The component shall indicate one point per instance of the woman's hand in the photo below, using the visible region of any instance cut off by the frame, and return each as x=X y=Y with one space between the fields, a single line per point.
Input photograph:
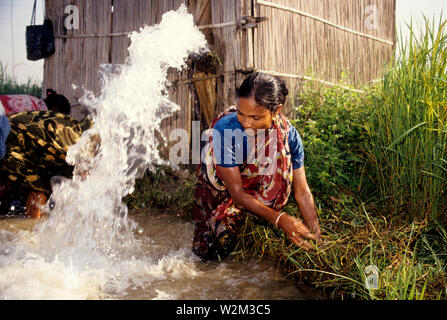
x=304 y=198
x=297 y=231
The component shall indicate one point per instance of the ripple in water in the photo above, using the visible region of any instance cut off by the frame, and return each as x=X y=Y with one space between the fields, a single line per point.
x=86 y=248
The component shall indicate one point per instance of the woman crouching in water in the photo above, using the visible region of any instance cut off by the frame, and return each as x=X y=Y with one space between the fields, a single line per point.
x=230 y=184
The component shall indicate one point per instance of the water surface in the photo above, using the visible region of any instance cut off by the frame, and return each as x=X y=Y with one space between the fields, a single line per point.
x=165 y=269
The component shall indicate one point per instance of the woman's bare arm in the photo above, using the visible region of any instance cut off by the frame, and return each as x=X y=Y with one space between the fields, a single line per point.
x=294 y=228
x=305 y=201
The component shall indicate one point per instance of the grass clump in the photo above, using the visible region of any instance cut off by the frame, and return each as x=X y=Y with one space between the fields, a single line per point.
x=408 y=127
x=163 y=188
x=8 y=85
x=330 y=122
x=409 y=267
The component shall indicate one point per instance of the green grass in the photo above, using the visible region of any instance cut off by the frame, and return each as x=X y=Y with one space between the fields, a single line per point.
x=409 y=268
x=331 y=122
x=163 y=188
x=408 y=129
x=8 y=85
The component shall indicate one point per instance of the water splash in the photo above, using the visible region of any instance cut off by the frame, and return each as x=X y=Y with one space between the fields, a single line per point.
x=86 y=248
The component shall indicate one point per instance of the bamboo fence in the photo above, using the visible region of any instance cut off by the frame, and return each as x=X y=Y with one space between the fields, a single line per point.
x=299 y=40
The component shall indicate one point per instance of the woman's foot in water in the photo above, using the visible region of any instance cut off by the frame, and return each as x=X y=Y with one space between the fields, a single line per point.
x=34 y=203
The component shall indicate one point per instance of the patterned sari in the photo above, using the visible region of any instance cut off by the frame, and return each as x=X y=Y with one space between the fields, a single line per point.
x=218 y=218
x=36 y=148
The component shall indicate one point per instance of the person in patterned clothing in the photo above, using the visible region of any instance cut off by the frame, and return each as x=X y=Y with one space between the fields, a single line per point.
x=253 y=159
x=34 y=151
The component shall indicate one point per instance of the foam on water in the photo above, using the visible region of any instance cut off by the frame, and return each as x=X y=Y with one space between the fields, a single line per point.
x=86 y=249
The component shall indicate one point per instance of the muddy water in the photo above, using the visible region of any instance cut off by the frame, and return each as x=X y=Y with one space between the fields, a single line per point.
x=173 y=271
x=87 y=248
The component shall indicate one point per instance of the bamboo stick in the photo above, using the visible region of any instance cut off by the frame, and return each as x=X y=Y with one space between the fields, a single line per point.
x=278 y=6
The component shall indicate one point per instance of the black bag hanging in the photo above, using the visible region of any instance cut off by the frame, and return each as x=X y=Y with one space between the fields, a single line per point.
x=39 y=38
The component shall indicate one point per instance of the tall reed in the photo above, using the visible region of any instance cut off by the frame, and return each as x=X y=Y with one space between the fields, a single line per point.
x=408 y=128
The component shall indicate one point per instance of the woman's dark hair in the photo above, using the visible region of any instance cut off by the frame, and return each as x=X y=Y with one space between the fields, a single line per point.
x=57 y=102
x=267 y=90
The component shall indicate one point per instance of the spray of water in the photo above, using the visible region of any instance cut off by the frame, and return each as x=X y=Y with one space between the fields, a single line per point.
x=86 y=248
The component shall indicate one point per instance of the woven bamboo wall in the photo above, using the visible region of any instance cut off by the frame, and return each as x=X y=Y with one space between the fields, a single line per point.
x=297 y=44
x=329 y=37
x=79 y=55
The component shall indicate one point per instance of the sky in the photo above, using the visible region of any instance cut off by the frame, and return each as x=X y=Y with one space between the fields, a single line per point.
x=12 y=39
x=15 y=15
